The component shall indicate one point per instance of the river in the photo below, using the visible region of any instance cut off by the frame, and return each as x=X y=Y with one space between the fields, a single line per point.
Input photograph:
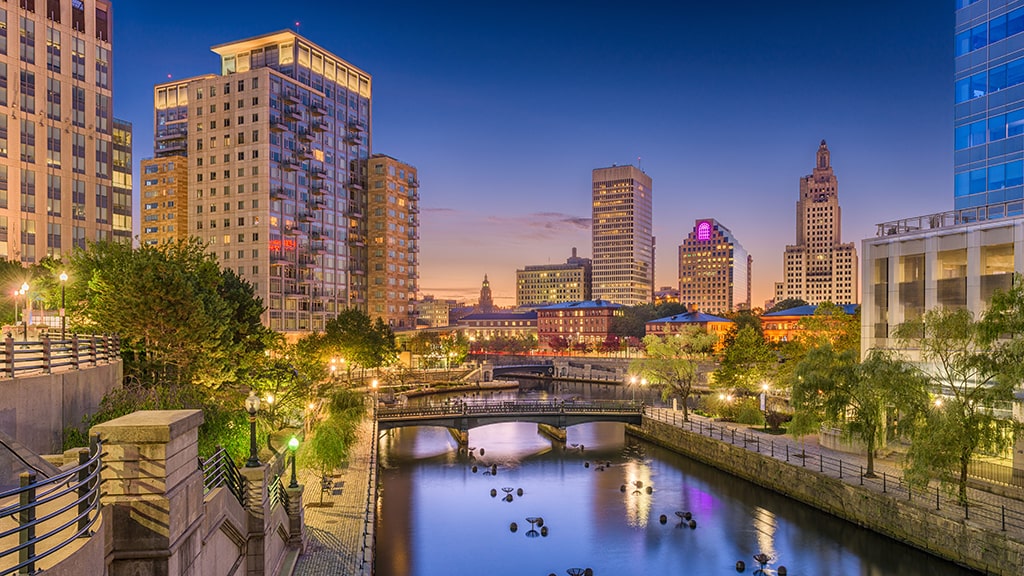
x=602 y=496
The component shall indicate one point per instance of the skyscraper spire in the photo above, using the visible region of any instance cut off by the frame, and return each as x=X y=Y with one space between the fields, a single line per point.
x=486 y=304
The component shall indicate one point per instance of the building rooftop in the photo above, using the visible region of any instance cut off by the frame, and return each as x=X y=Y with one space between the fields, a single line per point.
x=949 y=219
x=809 y=309
x=501 y=316
x=690 y=318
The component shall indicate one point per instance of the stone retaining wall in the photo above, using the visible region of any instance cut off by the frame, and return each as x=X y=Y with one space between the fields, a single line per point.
x=959 y=541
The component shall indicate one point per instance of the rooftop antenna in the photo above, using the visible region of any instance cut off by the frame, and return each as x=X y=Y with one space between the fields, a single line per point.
x=297 y=24
x=639 y=163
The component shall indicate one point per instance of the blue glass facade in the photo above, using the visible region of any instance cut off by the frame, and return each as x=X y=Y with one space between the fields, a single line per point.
x=989 y=108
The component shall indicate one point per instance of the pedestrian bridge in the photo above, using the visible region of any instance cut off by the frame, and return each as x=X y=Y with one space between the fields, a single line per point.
x=462 y=416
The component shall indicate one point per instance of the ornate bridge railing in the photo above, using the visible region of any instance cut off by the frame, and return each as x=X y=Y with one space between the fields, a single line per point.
x=460 y=408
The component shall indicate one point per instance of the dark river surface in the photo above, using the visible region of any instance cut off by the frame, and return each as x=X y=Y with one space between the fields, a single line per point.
x=438 y=517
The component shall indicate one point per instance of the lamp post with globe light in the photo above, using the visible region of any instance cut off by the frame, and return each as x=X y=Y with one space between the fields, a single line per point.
x=252 y=406
x=293 y=445
x=24 y=320
x=63 y=279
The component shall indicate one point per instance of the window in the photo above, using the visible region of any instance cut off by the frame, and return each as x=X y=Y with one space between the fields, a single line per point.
x=27 y=40
x=52 y=49
x=78 y=58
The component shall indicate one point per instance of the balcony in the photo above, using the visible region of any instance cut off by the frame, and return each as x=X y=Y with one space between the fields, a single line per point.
x=305 y=216
x=316 y=204
x=413 y=183
x=413 y=194
x=317 y=172
x=357 y=268
x=317 y=190
x=303 y=154
x=319 y=126
x=278 y=125
x=413 y=208
x=413 y=248
x=318 y=248
x=318 y=109
x=307 y=262
x=357 y=240
x=278 y=260
x=413 y=234
x=289 y=164
x=290 y=98
x=353 y=139
x=305 y=136
x=279 y=194
x=355 y=126
x=292 y=114
x=414 y=222
x=354 y=211
x=353 y=185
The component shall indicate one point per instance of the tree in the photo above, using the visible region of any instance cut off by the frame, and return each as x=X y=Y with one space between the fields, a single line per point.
x=634 y=319
x=672 y=362
x=746 y=363
x=333 y=437
x=360 y=341
x=167 y=305
x=833 y=387
x=830 y=324
x=741 y=319
x=972 y=368
x=786 y=305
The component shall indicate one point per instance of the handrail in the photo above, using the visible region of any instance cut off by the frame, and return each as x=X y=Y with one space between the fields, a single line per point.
x=81 y=482
x=220 y=470
x=1006 y=517
x=47 y=355
x=277 y=494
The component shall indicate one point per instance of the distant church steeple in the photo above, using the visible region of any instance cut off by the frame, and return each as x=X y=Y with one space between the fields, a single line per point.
x=486 y=304
x=824 y=158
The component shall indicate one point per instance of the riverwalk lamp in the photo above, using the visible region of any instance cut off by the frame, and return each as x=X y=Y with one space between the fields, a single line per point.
x=63 y=279
x=252 y=406
x=24 y=320
x=293 y=445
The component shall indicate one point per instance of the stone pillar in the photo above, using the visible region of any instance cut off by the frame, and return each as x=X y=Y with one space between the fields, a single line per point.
x=256 y=480
x=153 y=490
x=296 y=519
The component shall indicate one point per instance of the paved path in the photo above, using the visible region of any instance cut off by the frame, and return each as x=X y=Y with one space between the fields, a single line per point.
x=335 y=535
x=986 y=508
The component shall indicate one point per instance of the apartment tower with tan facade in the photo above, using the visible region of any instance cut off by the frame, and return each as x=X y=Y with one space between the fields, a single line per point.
x=57 y=149
x=276 y=148
x=623 y=241
x=819 y=267
x=393 y=223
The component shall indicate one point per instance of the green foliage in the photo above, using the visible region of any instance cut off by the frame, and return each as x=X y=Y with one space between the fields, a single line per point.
x=974 y=365
x=748 y=411
x=352 y=335
x=830 y=324
x=742 y=319
x=633 y=321
x=333 y=437
x=786 y=305
x=291 y=374
x=747 y=362
x=673 y=362
x=832 y=387
x=180 y=319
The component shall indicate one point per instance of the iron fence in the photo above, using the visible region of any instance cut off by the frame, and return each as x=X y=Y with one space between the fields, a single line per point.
x=1003 y=514
x=277 y=494
x=220 y=470
x=66 y=505
x=996 y=473
x=459 y=407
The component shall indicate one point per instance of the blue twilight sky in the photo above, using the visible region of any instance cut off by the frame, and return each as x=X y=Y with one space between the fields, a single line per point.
x=505 y=108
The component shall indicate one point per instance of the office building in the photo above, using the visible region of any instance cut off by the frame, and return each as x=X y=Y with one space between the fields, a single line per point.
x=988 y=117
x=819 y=267
x=277 y=146
x=434 y=312
x=393 y=224
x=623 y=242
x=57 y=142
x=714 y=269
x=554 y=283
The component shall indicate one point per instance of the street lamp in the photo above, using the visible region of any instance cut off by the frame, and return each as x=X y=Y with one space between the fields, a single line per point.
x=63 y=279
x=293 y=445
x=374 y=385
x=252 y=406
x=632 y=386
x=764 y=403
x=24 y=292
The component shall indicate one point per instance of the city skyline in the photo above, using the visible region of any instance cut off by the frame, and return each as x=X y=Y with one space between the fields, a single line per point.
x=506 y=113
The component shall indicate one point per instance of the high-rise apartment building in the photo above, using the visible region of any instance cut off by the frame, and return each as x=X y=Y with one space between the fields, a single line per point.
x=121 y=171
x=988 y=116
x=623 y=241
x=554 y=283
x=164 y=196
x=819 y=267
x=277 y=146
x=714 y=269
x=393 y=224
x=57 y=141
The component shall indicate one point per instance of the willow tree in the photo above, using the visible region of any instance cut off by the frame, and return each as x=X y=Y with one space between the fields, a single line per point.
x=832 y=387
x=673 y=362
x=973 y=367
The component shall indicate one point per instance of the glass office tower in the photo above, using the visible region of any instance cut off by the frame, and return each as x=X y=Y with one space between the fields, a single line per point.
x=989 y=109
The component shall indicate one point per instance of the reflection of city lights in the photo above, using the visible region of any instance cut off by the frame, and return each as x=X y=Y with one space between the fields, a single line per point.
x=637 y=500
x=765 y=526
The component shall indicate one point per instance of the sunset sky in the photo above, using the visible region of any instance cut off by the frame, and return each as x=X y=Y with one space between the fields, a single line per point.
x=505 y=108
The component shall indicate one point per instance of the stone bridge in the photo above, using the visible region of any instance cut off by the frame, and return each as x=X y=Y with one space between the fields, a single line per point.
x=553 y=417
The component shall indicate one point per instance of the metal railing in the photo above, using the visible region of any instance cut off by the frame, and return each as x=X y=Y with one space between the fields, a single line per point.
x=461 y=408
x=1005 y=515
x=369 y=540
x=48 y=354
x=220 y=470
x=277 y=495
x=66 y=505
x=995 y=473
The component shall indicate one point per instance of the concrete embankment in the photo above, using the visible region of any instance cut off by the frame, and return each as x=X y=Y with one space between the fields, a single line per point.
x=915 y=522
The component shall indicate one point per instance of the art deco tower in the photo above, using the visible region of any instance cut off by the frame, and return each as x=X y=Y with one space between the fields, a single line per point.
x=714 y=269
x=623 y=242
x=819 y=268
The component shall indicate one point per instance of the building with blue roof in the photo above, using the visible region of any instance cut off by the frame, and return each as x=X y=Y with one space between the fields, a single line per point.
x=780 y=326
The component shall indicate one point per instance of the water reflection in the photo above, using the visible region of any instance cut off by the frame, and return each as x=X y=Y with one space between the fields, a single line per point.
x=438 y=517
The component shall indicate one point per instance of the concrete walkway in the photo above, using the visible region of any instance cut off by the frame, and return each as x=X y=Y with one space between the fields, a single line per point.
x=985 y=508
x=335 y=535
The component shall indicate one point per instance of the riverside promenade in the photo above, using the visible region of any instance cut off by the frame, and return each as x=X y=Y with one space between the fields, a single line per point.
x=339 y=537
